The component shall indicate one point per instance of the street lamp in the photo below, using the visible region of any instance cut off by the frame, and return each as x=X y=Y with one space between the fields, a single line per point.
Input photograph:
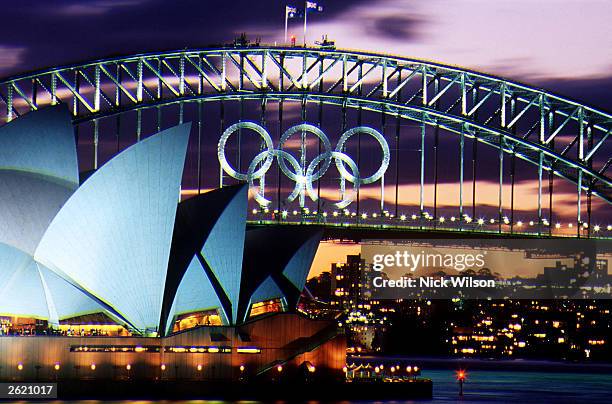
x=461 y=376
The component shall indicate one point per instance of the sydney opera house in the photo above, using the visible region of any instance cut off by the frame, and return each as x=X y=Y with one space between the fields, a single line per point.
x=109 y=275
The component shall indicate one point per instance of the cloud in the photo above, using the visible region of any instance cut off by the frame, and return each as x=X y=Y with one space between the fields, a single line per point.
x=595 y=90
x=396 y=26
x=97 y=7
x=522 y=39
x=11 y=57
x=525 y=197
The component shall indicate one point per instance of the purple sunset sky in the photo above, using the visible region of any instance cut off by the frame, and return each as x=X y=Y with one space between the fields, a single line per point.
x=563 y=45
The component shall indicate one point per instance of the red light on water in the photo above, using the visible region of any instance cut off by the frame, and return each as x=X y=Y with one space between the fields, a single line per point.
x=461 y=374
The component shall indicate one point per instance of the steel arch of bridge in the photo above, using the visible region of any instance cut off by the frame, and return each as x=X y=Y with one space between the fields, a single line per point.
x=554 y=133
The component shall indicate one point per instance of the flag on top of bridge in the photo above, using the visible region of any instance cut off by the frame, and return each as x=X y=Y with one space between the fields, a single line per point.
x=291 y=12
x=313 y=6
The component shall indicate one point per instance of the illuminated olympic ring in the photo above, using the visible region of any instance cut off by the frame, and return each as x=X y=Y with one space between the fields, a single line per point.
x=303 y=176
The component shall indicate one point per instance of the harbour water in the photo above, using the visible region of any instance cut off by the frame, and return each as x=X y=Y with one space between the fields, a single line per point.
x=525 y=387
x=486 y=386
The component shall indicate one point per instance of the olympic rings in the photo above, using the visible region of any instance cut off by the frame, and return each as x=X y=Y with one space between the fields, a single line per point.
x=221 y=150
x=303 y=175
x=317 y=132
x=385 y=149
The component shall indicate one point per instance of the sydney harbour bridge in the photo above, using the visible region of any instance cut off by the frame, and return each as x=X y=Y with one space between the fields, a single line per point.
x=348 y=139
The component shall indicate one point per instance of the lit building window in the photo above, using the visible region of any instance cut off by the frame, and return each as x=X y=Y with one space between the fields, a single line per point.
x=198 y=349
x=270 y=306
x=191 y=320
x=248 y=350
x=113 y=348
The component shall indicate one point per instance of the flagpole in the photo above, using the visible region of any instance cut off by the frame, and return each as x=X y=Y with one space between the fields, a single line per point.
x=286 y=22
x=305 y=18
